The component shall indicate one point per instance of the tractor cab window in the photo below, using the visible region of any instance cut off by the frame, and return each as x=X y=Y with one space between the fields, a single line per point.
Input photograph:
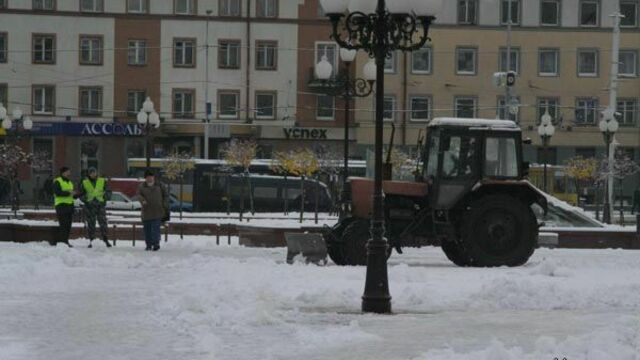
x=432 y=157
x=459 y=157
x=501 y=158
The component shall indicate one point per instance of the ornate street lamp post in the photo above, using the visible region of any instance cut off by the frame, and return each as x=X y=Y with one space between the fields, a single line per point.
x=347 y=88
x=546 y=130
x=608 y=126
x=379 y=28
x=15 y=126
x=150 y=119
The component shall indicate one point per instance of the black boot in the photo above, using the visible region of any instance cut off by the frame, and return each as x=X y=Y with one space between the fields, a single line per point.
x=156 y=247
x=69 y=245
x=90 y=243
x=106 y=242
x=148 y=248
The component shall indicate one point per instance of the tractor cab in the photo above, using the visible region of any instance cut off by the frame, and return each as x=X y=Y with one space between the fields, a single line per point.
x=462 y=153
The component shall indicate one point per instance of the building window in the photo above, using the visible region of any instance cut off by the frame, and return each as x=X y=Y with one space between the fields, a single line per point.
x=184 y=52
x=630 y=11
x=44 y=49
x=266 y=105
x=90 y=50
x=183 y=103
x=135 y=98
x=44 y=148
x=4 y=47
x=184 y=7
x=89 y=155
x=467 y=12
x=325 y=107
x=587 y=62
x=389 y=106
x=503 y=111
x=550 y=13
x=92 y=5
x=586 y=111
x=390 y=64
x=4 y=96
x=229 y=104
x=229 y=7
x=91 y=101
x=420 y=108
x=628 y=109
x=628 y=63
x=43 y=102
x=137 y=54
x=229 y=54
x=138 y=6
x=466 y=61
x=266 y=55
x=552 y=105
x=515 y=60
x=465 y=107
x=330 y=50
x=589 y=12
x=548 y=61
x=44 y=4
x=421 y=61
x=515 y=12
x=267 y=8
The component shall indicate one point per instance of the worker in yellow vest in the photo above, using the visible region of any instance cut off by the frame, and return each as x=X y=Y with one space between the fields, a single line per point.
x=94 y=194
x=63 y=196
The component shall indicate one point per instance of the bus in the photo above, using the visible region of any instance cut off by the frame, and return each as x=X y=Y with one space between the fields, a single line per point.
x=559 y=184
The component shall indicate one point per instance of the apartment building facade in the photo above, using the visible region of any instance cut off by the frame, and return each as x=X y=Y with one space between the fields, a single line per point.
x=82 y=68
x=561 y=52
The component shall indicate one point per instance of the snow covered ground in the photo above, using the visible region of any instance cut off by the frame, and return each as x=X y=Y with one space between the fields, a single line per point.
x=194 y=300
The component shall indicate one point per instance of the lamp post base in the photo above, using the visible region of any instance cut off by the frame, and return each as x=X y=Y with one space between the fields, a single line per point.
x=376 y=298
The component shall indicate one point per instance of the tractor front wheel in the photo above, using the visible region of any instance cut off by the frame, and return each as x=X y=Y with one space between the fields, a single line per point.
x=498 y=230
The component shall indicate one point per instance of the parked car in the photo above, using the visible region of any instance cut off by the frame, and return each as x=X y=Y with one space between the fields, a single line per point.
x=174 y=204
x=118 y=201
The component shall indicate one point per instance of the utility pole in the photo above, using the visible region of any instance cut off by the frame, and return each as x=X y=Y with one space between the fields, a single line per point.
x=507 y=98
x=613 y=100
x=207 y=103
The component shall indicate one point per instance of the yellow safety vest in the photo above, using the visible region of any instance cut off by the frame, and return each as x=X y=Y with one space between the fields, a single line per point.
x=65 y=185
x=92 y=192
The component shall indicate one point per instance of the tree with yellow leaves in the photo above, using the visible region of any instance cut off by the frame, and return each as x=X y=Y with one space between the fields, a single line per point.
x=174 y=168
x=283 y=164
x=239 y=154
x=584 y=172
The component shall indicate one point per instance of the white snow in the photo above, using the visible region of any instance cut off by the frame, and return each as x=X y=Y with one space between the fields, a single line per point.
x=195 y=300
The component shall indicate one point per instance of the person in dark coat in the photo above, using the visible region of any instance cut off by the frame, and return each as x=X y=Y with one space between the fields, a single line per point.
x=63 y=197
x=94 y=192
x=155 y=207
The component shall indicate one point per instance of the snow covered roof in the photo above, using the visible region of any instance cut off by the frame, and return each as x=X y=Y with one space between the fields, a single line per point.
x=477 y=123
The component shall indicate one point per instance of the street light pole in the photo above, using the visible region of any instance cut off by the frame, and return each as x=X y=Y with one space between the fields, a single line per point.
x=150 y=119
x=608 y=126
x=380 y=31
x=207 y=103
x=347 y=88
x=546 y=130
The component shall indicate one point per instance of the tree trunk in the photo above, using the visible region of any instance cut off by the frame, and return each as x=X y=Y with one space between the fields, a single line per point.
x=286 y=195
x=317 y=199
x=228 y=194
x=621 y=204
x=301 y=198
x=242 y=198
x=250 y=191
x=181 y=193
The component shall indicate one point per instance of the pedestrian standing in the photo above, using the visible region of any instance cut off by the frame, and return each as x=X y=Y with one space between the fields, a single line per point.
x=155 y=207
x=94 y=193
x=63 y=196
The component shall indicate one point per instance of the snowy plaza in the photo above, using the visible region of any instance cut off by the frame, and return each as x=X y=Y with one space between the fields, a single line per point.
x=195 y=300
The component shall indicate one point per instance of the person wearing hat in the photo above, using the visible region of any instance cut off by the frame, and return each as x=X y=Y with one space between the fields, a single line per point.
x=155 y=207
x=94 y=194
x=63 y=196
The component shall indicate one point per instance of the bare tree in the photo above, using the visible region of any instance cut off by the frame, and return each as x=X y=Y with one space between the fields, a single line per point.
x=239 y=154
x=621 y=168
x=12 y=158
x=175 y=167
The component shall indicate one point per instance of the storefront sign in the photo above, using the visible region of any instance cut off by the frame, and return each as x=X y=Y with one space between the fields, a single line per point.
x=305 y=133
x=86 y=129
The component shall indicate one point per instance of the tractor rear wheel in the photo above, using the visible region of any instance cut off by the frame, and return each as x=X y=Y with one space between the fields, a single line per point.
x=498 y=230
x=453 y=251
x=352 y=249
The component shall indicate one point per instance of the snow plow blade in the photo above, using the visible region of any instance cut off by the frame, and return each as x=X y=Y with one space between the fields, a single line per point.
x=311 y=247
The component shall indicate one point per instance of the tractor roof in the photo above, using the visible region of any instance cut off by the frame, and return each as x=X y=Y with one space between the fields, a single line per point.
x=489 y=124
